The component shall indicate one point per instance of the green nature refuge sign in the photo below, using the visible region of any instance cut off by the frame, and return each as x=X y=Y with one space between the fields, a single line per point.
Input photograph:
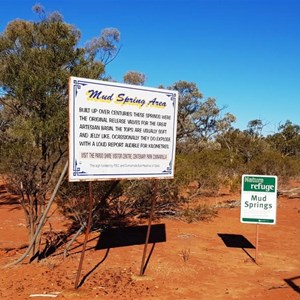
x=259 y=199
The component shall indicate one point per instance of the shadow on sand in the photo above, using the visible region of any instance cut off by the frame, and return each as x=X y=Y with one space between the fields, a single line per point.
x=237 y=241
x=127 y=236
x=292 y=283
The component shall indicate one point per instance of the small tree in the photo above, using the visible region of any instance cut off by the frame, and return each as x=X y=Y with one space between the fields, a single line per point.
x=133 y=77
x=242 y=143
x=287 y=139
x=189 y=103
x=36 y=60
x=199 y=121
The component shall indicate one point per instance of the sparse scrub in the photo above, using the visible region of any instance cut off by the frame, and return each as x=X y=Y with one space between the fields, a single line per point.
x=274 y=163
x=200 y=212
x=185 y=254
x=118 y=202
x=33 y=112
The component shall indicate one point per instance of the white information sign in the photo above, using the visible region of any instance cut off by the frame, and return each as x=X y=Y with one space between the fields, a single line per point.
x=259 y=199
x=120 y=131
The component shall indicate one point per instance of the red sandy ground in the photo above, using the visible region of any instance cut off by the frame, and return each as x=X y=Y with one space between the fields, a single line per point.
x=194 y=262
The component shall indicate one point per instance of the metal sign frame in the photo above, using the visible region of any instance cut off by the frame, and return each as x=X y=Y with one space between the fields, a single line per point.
x=120 y=131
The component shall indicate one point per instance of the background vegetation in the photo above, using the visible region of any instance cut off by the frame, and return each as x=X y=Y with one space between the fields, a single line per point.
x=36 y=60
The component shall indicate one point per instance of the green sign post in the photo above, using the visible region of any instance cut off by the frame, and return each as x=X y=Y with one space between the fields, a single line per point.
x=259 y=199
x=258 y=202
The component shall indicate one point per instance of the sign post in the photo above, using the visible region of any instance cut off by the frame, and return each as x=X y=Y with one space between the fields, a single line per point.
x=87 y=232
x=120 y=131
x=258 y=201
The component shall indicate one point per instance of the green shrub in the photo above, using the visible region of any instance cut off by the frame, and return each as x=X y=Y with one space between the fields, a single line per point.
x=198 y=213
x=273 y=163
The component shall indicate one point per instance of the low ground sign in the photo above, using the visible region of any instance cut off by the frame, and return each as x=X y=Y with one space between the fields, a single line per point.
x=259 y=199
x=120 y=131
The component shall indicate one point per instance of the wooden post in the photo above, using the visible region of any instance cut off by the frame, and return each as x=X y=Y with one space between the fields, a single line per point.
x=87 y=232
x=256 y=245
x=43 y=218
x=142 y=270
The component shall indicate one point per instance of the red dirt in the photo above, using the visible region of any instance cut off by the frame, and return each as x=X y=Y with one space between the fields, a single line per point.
x=193 y=263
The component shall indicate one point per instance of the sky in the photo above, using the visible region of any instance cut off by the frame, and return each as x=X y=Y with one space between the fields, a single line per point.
x=243 y=53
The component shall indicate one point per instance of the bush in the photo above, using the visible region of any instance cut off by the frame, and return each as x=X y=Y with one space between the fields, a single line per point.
x=117 y=202
x=208 y=170
x=273 y=163
x=200 y=212
x=201 y=173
